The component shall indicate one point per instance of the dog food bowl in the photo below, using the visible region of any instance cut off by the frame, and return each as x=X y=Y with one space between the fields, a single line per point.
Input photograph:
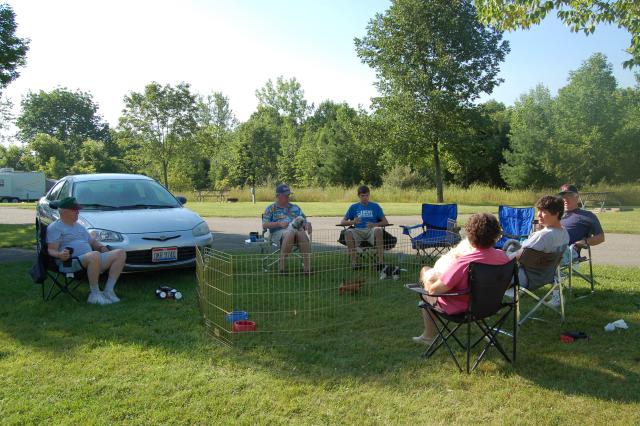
x=243 y=325
x=237 y=316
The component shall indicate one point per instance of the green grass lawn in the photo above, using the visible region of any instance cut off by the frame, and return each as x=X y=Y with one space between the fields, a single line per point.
x=146 y=361
x=21 y=205
x=21 y=236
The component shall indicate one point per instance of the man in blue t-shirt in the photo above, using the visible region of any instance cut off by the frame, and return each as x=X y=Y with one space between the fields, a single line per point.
x=582 y=225
x=366 y=219
x=287 y=225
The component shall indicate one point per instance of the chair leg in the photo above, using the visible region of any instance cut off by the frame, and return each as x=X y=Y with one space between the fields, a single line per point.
x=468 y=345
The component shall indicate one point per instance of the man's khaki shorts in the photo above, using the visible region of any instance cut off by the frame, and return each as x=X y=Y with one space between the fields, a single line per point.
x=360 y=235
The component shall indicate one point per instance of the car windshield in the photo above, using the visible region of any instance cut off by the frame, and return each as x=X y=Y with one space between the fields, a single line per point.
x=120 y=194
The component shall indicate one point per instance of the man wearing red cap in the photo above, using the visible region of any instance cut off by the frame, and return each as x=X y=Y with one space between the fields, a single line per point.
x=66 y=233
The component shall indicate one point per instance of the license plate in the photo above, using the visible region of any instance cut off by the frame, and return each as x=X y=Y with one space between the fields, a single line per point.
x=164 y=254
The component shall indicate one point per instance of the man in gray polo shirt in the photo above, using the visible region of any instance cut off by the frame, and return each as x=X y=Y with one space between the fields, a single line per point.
x=67 y=233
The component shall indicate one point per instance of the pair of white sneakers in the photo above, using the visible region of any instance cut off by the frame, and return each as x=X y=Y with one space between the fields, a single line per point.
x=102 y=297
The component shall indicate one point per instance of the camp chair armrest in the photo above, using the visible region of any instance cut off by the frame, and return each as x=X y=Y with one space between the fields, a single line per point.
x=406 y=229
x=420 y=290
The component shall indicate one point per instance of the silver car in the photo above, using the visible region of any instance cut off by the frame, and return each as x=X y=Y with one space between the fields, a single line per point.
x=135 y=213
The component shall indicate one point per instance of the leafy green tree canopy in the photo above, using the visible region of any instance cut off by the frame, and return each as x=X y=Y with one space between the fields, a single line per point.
x=432 y=59
x=13 y=50
x=70 y=117
x=164 y=118
x=581 y=15
x=286 y=97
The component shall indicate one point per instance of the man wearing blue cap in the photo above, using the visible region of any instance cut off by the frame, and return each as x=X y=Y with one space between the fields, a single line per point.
x=66 y=233
x=287 y=225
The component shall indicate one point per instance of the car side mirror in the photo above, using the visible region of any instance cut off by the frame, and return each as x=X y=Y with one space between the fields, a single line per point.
x=183 y=200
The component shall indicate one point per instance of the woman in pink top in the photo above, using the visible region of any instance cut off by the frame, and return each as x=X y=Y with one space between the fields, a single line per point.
x=482 y=230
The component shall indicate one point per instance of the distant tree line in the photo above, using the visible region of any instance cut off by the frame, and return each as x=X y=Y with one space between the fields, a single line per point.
x=588 y=133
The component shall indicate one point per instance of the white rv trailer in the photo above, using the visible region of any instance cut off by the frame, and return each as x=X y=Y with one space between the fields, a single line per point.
x=20 y=186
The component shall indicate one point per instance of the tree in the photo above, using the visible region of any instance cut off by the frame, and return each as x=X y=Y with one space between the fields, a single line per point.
x=287 y=97
x=216 y=122
x=47 y=154
x=164 y=118
x=581 y=15
x=6 y=117
x=477 y=154
x=626 y=140
x=70 y=117
x=528 y=161
x=586 y=119
x=13 y=50
x=94 y=158
x=255 y=149
x=10 y=156
x=432 y=59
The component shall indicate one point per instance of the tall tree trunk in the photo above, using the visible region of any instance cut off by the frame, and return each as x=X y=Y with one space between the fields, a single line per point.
x=438 y=167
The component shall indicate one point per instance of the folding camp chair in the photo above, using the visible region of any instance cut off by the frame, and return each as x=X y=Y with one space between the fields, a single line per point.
x=541 y=269
x=516 y=223
x=272 y=249
x=58 y=278
x=439 y=230
x=570 y=268
x=365 y=250
x=487 y=284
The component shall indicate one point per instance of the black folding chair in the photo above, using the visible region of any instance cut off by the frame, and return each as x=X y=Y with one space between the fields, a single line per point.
x=487 y=285
x=57 y=279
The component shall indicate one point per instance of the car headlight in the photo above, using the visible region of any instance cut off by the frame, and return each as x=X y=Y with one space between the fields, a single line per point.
x=201 y=229
x=106 y=236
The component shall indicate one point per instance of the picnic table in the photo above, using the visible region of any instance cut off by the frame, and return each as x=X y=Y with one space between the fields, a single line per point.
x=221 y=195
x=599 y=199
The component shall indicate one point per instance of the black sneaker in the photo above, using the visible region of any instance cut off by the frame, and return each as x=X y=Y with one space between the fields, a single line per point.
x=386 y=272
x=395 y=274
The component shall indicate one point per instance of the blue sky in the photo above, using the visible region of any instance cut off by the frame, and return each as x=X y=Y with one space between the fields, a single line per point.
x=234 y=46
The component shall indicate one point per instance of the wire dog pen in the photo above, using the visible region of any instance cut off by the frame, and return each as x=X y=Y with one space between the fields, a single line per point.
x=243 y=303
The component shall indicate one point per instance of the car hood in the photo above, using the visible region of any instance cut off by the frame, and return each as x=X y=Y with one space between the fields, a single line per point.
x=141 y=220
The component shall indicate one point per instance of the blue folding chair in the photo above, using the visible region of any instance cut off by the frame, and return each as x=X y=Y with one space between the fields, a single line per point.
x=439 y=230
x=516 y=223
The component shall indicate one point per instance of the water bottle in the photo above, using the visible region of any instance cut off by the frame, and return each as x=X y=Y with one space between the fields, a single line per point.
x=67 y=263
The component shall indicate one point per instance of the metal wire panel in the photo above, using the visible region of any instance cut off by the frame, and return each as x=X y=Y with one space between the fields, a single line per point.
x=293 y=307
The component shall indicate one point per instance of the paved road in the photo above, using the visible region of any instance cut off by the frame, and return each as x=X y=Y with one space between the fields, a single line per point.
x=619 y=249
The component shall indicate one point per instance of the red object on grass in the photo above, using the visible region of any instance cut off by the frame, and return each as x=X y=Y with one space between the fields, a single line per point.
x=566 y=339
x=244 y=325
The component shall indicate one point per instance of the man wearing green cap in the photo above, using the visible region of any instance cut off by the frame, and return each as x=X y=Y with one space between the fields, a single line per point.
x=66 y=233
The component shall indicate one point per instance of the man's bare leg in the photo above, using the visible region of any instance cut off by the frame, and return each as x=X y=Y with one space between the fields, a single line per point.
x=114 y=263
x=378 y=238
x=351 y=246
x=305 y=250
x=288 y=240
x=91 y=262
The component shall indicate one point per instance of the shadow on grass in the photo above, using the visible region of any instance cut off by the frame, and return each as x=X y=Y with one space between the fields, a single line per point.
x=378 y=350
